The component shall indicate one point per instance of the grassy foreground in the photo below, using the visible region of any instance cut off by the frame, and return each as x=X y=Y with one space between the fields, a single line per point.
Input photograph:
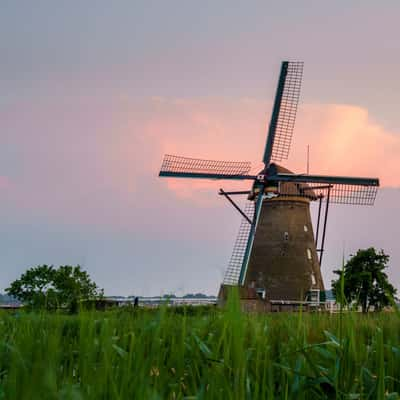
x=205 y=354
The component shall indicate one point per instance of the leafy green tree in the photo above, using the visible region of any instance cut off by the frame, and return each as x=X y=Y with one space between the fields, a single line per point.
x=48 y=287
x=363 y=281
x=74 y=284
x=35 y=287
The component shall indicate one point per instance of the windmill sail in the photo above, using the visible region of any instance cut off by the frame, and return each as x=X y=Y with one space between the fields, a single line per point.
x=343 y=189
x=339 y=193
x=284 y=112
x=185 y=167
x=235 y=263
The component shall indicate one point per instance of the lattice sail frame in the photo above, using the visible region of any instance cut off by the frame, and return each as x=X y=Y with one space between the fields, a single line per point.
x=172 y=163
x=287 y=113
x=362 y=195
x=232 y=273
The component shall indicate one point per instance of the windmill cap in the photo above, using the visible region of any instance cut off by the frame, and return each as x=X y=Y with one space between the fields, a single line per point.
x=290 y=188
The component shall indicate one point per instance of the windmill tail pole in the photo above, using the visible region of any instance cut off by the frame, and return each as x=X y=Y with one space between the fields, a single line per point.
x=249 y=245
x=324 y=230
x=318 y=220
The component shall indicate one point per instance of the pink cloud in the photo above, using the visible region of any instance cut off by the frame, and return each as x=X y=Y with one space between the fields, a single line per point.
x=343 y=139
x=100 y=165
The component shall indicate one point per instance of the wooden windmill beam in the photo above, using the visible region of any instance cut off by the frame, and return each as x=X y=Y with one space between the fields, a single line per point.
x=250 y=241
x=236 y=206
x=275 y=113
x=202 y=175
x=342 y=180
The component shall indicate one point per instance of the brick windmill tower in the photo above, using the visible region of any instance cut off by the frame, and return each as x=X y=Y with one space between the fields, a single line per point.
x=277 y=257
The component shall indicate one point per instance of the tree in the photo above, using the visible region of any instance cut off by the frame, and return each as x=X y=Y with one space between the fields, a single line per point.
x=74 y=284
x=48 y=287
x=363 y=281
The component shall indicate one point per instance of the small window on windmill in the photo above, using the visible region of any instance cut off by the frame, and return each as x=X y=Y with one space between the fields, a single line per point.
x=313 y=280
x=309 y=254
x=261 y=293
x=286 y=236
x=305 y=228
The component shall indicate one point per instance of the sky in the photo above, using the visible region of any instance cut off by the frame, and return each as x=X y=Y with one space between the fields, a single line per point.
x=93 y=95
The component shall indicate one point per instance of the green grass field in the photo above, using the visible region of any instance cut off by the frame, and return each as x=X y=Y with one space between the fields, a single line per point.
x=199 y=354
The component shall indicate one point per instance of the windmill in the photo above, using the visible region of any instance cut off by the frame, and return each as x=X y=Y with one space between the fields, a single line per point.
x=276 y=254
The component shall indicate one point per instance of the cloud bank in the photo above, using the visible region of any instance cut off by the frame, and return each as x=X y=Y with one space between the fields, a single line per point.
x=91 y=159
x=343 y=139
